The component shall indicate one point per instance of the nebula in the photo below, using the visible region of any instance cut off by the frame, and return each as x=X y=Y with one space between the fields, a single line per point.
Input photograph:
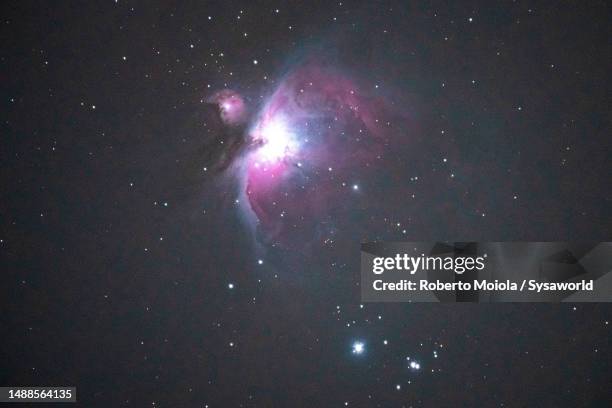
x=315 y=138
x=231 y=106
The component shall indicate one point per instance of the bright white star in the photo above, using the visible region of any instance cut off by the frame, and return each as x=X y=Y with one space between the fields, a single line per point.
x=358 y=347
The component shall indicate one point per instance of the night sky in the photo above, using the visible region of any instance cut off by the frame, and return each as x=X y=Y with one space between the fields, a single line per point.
x=185 y=186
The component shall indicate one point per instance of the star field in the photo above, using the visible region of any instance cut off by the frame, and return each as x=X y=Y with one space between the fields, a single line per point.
x=185 y=186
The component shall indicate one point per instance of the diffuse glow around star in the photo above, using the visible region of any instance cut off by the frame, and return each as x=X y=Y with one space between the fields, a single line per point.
x=358 y=347
x=276 y=139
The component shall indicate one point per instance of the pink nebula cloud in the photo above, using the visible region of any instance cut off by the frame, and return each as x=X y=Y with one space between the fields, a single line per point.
x=231 y=106
x=314 y=139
